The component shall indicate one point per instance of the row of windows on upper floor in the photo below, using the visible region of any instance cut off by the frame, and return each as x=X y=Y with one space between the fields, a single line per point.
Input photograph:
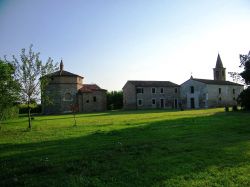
x=153 y=90
x=219 y=90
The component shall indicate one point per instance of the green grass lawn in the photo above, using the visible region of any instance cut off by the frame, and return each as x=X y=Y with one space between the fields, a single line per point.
x=128 y=148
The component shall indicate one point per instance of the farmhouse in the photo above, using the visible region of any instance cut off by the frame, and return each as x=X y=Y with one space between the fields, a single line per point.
x=205 y=93
x=66 y=89
x=150 y=94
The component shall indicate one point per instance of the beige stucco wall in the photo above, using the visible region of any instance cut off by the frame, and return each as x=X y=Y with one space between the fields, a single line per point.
x=227 y=96
x=207 y=95
x=199 y=94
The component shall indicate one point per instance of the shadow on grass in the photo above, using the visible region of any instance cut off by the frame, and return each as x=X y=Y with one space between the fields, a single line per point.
x=151 y=154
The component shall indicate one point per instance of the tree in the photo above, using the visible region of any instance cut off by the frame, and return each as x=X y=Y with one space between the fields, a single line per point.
x=9 y=87
x=74 y=108
x=30 y=72
x=114 y=100
x=244 y=97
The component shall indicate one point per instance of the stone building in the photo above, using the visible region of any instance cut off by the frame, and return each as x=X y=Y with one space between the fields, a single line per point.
x=150 y=94
x=205 y=93
x=66 y=89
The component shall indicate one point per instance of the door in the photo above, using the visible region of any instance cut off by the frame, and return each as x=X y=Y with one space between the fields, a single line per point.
x=162 y=103
x=175 y=103
x=192 y=105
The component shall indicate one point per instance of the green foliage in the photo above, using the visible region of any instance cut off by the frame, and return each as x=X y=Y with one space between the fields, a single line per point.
x=34 y=108
x=131 y=148
x=31 y=73
x=245 y=62
x=9 y=88
x=114 y=100
x=10 y=113
x=244 y=97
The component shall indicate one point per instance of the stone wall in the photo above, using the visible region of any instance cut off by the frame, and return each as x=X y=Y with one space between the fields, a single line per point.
x=168 y=99
x=162 y=100
x=62 y=93
x=129 y=96
x=92 y=101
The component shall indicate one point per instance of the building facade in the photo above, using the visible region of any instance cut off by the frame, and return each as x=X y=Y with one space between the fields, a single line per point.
x=205 y=93
x=150 y=95
x=66 y=90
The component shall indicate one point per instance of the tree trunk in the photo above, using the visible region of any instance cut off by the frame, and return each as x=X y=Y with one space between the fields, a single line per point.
x=75 y=119
x=29 y=109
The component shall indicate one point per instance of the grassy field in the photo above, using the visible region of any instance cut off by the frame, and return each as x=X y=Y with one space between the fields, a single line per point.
x=128 y=148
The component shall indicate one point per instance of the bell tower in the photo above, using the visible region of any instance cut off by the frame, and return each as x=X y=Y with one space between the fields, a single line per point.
x=219 y=70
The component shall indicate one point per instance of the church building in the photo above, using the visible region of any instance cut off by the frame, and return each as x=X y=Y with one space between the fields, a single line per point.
x=205 y=93
x=66 y=90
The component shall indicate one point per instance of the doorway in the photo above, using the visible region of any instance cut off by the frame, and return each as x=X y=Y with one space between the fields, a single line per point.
x=192 y=105
x=162 y=103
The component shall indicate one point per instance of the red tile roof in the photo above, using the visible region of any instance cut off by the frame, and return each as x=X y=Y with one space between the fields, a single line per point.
x=90 y=88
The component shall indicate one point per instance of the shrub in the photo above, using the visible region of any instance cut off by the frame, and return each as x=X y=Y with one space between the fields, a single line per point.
x=35 y=108
x=10 y=113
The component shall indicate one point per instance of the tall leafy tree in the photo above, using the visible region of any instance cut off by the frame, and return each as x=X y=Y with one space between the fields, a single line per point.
x=30 y=72
x=244 y=97
x=9 y=86
x=114 y=100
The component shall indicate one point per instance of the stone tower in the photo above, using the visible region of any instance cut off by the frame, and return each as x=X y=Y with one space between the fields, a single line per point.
x=219 y=70
x=62 y=90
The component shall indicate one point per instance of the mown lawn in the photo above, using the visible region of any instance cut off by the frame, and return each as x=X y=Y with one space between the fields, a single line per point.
x=128 y=148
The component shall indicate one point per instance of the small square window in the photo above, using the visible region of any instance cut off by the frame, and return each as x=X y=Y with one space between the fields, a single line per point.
x=94 y=99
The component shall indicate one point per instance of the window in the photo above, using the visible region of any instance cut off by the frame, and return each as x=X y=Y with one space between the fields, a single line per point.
x=94 y=99
x=162 y=90
x=233 y=91
x=175 y=90
x=219 y=98
x=234 y=98
x=139 y=102
x=153 y=90
x=139 y=90
x=87 y=101
x=191 y=89
x=67 y=97
x=153 y=101
x=219 y=90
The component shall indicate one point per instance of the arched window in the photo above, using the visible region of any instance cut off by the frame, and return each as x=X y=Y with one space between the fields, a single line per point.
x=68 y=97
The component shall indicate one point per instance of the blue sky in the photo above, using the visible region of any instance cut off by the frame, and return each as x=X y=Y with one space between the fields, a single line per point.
x=112 y=41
